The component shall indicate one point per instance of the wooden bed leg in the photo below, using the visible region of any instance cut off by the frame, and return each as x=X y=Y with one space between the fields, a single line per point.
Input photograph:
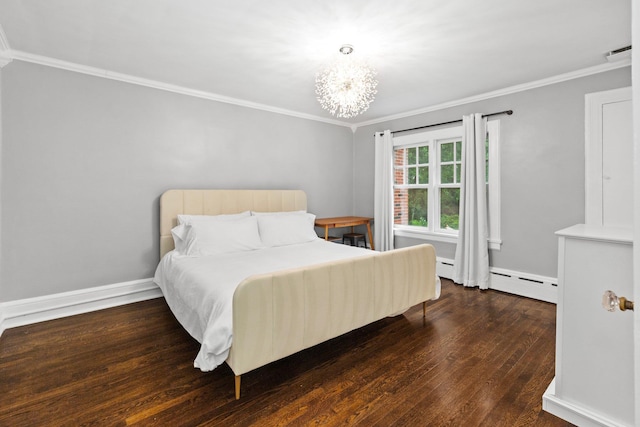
x=237 y=387
x=424 y=309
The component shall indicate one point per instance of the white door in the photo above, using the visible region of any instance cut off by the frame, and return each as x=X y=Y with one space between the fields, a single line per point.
x=609 y=158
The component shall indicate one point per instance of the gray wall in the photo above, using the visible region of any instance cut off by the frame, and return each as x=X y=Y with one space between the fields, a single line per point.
x=542 y=160
x=85 y=159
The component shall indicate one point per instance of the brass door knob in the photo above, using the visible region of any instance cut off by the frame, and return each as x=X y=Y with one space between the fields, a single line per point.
x=610 y=301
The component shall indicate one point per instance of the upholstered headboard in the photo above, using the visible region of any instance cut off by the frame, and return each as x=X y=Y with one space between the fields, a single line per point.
x=216 y=202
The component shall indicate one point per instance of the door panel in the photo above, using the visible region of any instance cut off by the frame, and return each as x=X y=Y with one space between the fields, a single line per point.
x=608 y=158
x=617 y=164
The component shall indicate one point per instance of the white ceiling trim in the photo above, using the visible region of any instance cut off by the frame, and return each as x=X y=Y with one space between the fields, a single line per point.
x=6 y=57
x=99 y=72
x=507 y=91
x=4 y=60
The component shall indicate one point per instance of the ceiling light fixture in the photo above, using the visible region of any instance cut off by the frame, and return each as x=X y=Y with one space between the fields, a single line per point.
x=347 y=87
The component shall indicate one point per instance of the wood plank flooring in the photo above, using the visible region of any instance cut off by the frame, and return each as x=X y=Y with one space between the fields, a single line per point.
x=480 y=358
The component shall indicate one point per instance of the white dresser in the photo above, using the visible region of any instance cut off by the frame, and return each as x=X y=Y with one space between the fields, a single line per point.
x=594 y=382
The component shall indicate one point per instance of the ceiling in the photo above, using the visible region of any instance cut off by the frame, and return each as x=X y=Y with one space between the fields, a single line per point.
x=267 y=53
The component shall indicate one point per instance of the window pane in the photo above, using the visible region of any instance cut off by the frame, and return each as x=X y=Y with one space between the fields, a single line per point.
x=458 y=169
x=417 y=207
x=446 y=174
x=446 y=152
x=400 y=206
x=410 y=207
x=449 y=208
x=399 y=157
x=398 y=176
x=423 y=175
x=459 y=151
x=423 y=155
x=411 y=175
x=411 y=156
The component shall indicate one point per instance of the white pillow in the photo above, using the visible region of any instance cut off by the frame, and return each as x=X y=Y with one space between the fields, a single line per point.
x=188 y=219
x=281 y=230
x=219 y=237
x=179 y=234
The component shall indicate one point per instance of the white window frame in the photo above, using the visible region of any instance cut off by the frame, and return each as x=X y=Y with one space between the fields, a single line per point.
x=438 y=184
x=432 y=138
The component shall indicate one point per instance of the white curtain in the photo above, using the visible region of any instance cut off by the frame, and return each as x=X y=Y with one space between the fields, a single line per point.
x=471 y=264
x=383 y=192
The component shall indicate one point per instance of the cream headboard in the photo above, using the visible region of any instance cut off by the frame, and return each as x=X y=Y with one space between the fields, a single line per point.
x=216 y=202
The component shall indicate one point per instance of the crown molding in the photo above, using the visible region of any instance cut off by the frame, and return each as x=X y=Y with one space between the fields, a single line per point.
x=584 y=72
x=4 y=59
x=8 y=55
x=127 y=78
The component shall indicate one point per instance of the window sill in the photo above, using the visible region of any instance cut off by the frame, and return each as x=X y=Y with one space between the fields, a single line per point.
x=494 y=244
x=427 y=235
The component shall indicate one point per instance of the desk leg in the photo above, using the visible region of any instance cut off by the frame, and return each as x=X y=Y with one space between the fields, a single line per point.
x=370 y=238
x=326 y=232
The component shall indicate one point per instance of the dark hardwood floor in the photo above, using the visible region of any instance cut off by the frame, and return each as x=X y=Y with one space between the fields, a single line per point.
x=480 y=358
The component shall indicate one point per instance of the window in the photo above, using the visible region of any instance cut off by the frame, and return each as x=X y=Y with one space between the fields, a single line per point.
x=427 y=170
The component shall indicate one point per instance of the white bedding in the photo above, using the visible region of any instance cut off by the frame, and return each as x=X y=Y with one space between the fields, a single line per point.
x=199 y=290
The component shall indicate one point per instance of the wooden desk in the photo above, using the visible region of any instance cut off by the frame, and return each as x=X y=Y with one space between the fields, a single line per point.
x=345 y=221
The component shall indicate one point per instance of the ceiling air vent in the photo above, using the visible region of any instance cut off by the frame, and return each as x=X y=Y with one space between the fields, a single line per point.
x=618 y=54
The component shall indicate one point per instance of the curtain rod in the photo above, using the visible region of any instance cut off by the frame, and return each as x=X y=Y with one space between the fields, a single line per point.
x=507 y=112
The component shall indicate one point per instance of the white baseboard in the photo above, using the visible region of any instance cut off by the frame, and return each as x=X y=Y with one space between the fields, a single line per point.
x=571 y=412
x=48 y=307
x=524 y=284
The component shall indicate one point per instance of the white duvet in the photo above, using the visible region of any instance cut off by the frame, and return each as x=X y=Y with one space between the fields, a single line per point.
x=199 y=290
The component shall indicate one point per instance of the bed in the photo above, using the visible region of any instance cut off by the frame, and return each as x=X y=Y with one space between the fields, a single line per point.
x=282 y=297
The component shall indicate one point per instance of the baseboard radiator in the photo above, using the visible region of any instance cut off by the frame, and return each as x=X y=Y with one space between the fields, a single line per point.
x=524 y=284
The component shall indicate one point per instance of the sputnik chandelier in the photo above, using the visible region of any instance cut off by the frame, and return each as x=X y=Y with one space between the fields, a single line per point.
x=346 y=87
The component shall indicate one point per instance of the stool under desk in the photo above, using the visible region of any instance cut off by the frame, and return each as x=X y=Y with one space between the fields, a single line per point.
x=345 y=221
